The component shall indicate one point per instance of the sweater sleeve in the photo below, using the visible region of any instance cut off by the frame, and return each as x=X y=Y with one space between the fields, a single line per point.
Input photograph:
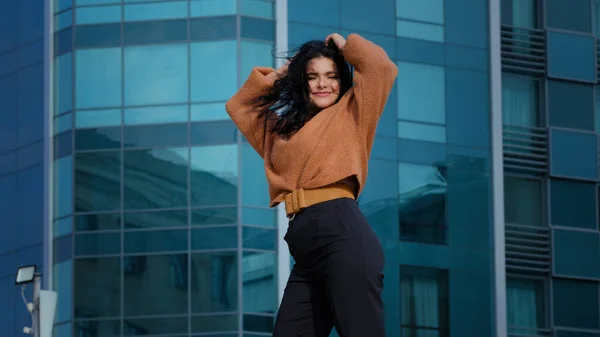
x=374 y=76
x=241 y=107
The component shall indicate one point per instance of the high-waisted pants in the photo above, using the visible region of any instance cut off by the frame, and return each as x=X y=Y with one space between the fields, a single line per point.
x=337 y=277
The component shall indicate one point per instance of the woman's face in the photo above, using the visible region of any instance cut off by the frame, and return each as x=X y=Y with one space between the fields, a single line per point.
x=323 y=82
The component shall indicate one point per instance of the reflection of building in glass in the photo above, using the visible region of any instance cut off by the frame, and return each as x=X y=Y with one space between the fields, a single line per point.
x=123 y=178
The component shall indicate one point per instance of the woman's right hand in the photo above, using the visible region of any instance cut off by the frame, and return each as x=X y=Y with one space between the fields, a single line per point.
x=282 y=71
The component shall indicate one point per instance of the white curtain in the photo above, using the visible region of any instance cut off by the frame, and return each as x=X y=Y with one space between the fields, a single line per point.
x=524 y=13
x=420 y=305
x=519 y=101
x=521 y=301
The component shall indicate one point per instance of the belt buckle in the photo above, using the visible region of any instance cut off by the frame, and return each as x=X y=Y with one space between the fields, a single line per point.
x=298 y=202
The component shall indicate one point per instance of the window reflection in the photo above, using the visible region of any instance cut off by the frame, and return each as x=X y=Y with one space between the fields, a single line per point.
x=214 y=282
x=98 y=328
x=520 y=101
x=97 y=287
x=155 y=326
x=422 y=203
x=156 y=74
x=214 y=176
x=419 y=81
x=155 y=284
x=258 y=273
x=97 y=181
x=98 y=78
x=155 y=178
x=425 y=301
x=210 y=83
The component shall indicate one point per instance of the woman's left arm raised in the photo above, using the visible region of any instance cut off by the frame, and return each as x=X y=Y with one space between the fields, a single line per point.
x=374 y=76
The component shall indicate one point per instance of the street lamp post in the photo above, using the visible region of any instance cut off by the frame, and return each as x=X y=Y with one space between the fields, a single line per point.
x=43 y=308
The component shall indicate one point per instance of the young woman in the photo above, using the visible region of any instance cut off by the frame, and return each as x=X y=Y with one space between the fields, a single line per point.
x=315 y=128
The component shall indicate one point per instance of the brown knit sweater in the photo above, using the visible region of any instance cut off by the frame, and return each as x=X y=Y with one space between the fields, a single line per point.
x=336 y=143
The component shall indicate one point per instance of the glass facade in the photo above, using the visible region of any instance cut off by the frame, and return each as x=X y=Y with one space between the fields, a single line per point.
x=124 y=180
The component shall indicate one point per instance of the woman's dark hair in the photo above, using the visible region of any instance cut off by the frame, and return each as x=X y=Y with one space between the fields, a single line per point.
x=289 y=97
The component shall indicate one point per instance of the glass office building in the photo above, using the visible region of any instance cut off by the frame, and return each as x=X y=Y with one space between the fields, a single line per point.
x=123 y=179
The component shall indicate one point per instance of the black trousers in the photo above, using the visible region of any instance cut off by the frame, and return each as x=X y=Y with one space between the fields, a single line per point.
x=338 y=275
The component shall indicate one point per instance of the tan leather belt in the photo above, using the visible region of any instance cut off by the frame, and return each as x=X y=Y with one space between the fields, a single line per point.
x=301 y=198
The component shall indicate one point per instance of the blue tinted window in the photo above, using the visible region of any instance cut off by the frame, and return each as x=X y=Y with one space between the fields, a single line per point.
x=63 y=83
x=259 y=291
x=259 y=217
x=255 y=54
x=300 y=33
x=97 y=118
x=8 y=117
x=63 y=186
x=258 y=8
x=63 y=20
x=422 y=202
x=8 y=23
x=105 y=35
x=303 y=11
x=156 y=115
x=145 y=220
x=523 y=201
x=63 y=144
x=420 y=30
x=30 y=119
x=565 y=162
x=146 y=135
x=213 y=238
x=597 y=108
x=214 y=216
x=155 y=32
x=156 y=11
x=63 y=284
x=63 y=41
x=61 y=5
x=421 y=93
x=259 y=238
x=212 y=7
x=157 y=326
x=417 y=283
x=467 y=57
x=8 y=207
x=155 y=241
x=255 y=190
x=379 y=199
x=97 y=139
x=571 y=105
x=208 y=112
x=209 y=133
x=260 y=29
x=218 y=269
x=469 y=198
x=107 y=269
x=520 y=101
x=359 y=14
x=576 y=254
x=525 y=305
x=573 y=203
x=97 y=244
x=210 y=83
x=95 y=2
x=569 y=15
x=467 y=108
x=571 y=56
x=385 y=148
x=98 y=78
x=156 y=178
x=101 y=14
x=569 y=294
x=424 y=10
x=520 y=13
x=30 y=201
x=31 y=54
x=214 y=28
x=30 y=23
x=466 y=23
x=214 y=176
x=105 y=182
x=418 y=152
x=419 y=131
x=413 y=50
x=156 y=74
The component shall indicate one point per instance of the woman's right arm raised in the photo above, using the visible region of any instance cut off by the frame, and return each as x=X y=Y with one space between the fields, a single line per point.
x=243 y=109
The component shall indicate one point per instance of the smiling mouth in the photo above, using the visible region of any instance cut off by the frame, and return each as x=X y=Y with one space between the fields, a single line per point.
x=321 y=94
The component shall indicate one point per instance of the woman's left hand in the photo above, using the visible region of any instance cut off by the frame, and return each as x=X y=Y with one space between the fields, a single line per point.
x=339 y=40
